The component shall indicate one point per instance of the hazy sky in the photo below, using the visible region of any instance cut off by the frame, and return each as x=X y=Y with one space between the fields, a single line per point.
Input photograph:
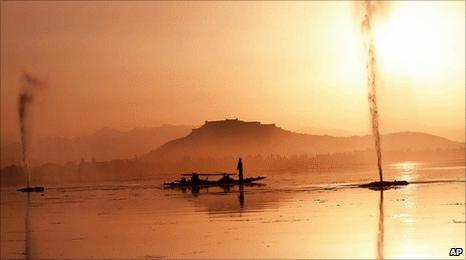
x=300 y=65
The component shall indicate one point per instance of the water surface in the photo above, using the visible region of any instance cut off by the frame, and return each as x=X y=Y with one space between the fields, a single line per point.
x=295 y=215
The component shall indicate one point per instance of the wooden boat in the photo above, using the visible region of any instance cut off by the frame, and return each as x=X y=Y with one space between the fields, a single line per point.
x=223 y=181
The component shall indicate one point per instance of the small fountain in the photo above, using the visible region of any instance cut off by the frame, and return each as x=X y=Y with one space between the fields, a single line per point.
x=25 y=99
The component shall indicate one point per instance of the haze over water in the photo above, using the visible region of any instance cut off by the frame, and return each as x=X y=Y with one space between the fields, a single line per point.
x=296 y=215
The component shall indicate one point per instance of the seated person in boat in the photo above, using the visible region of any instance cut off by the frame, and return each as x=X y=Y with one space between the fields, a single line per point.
x=183 y=181
x=195 y=179
x=226 y=179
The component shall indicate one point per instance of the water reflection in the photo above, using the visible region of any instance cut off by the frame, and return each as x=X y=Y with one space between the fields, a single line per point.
x=406 y=171
x=27 y=239
x=381 y=225
x=198 y=189
x=380 y=235
x=222 y=190
x=273 y=221
x=241 y=195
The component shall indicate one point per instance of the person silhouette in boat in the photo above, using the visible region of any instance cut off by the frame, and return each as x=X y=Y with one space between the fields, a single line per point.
x=195 y=180
x=239 y=167
x=226 y=179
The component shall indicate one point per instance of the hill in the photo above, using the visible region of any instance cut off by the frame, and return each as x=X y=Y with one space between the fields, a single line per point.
x=103 y=145
x=216 y=146
x=239 y=138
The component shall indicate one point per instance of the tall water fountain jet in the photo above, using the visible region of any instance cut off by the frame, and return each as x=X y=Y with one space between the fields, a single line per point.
x=371 y=67
x=29 y=87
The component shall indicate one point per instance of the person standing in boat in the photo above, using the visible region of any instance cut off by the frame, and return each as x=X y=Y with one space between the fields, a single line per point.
x=239 y=167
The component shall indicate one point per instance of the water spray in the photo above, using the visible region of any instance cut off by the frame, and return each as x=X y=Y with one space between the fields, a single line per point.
x=29 y=88
x=371 y=67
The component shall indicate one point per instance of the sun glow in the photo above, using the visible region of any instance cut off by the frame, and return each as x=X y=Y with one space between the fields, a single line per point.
x=414 y=41
x=406 y=170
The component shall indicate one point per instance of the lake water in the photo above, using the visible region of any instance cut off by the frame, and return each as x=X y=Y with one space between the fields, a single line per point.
x=294 y=215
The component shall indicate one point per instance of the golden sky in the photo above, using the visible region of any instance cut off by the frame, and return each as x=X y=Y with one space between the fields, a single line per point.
x=298 y=64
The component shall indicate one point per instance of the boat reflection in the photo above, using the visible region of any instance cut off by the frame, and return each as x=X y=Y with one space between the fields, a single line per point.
x=226 y=199
x=196 y=190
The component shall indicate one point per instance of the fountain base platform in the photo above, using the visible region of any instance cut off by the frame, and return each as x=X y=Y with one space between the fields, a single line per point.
x=383 y=184
x=32 y=189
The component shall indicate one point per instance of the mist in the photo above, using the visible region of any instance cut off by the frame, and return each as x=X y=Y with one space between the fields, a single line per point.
x=371 y=67
x=298 y=65
x=30 y=85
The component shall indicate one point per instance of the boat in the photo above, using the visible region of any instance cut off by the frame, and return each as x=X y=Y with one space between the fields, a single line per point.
x=196 y=181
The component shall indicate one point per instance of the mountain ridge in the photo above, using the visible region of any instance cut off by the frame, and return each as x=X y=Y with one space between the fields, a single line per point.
x=102 y=145
x=233 y=136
